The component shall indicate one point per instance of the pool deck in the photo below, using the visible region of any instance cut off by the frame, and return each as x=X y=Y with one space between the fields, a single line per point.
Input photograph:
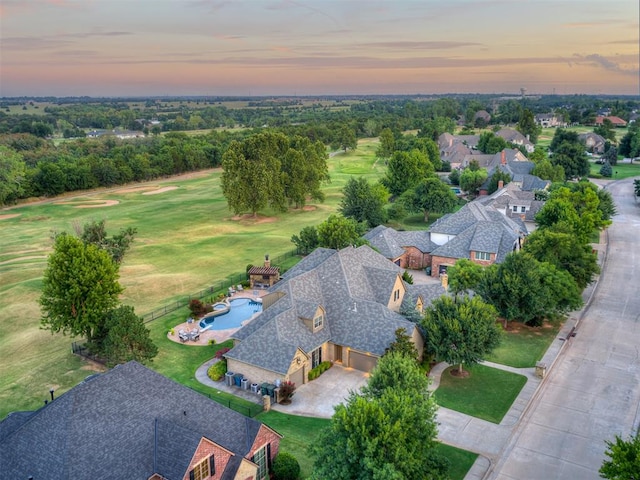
x=217 y=335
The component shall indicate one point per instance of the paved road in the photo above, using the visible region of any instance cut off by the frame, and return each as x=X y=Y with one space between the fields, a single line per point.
x=593 y=390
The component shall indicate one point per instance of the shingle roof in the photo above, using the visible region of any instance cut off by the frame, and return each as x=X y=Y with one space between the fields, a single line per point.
x=108 y=427
x=353 y=285
x=390 y=242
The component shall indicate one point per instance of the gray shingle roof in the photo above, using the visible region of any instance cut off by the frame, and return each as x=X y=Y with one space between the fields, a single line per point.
x=390 y=242
x=353 y=285
x=107 y=427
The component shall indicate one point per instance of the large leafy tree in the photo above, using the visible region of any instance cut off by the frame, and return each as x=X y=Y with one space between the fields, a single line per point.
x=12 y=175
x=305 y=170
x=431 y=195
x=569 y=153
x=522 y=288
x=95 y=233
x=630 y=142
x=464 y=275
x=386 y=432
x=307 y=241
x=566 y=252
x=80 y=286
x=471 y=180
x=527 y=125
x=490 y=143
x=405 y=170
x=387 y=144
x=547 y=171
x=364 y=202
x=339 y=232
x=125 y=338
x=624 y=459
x=461 y=330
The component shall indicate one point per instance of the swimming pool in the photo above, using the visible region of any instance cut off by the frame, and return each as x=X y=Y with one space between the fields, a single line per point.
x=241 y=310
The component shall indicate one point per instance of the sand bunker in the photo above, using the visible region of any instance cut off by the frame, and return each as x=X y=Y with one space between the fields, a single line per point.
x=9 y=215
x=160 y=190
x=89 y=203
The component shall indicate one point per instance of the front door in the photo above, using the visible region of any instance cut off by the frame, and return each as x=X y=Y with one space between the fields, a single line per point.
x=338 y=354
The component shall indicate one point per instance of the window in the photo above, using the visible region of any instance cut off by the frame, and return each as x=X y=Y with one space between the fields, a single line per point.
x=262 y=458
x=204 y=469
x=316 y=357
x=396 y=295
x=515 y=208
x=482 y=256
x=318 y=322
x=523 y=209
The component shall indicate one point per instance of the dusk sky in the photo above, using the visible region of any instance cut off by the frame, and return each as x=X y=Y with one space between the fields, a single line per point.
x=317 y=47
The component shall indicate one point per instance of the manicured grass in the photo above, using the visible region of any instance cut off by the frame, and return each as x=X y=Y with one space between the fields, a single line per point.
x=620 y=171
x=487 y=393
x=461 y=461
x=298 y=432
x=187 y=240
x=523 y=346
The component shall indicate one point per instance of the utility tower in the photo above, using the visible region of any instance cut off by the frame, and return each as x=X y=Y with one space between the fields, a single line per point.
x=523 y=91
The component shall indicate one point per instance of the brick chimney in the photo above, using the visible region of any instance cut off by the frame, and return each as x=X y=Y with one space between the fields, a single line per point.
x=500 y=184
x=267 y=262
x=503 y=157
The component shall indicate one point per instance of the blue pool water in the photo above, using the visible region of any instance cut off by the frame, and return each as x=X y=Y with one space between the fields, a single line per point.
x=241 y=310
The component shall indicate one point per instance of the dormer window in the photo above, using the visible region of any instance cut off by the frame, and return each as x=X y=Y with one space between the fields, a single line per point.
x=396 y=295
x=318 y=321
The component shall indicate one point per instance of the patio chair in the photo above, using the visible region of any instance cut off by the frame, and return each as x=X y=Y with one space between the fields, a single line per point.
x=194 y=335
x=240 y=288
x=183 y=336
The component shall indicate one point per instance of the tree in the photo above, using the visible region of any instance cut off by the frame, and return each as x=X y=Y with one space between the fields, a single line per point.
x=12 y=175
x=346 y=138
x=95 y=233
x=630 y=143
x=339 y=232
x=549 y=291
x=497 y=177
x=126 y=338
x=364 y=202
x=80 y=286
x=386 y=432
x=464 y=275
x=606 y=170
x=431 y=195
x=461 y=330
x=285 y=467
x=304 y=169
x=387 y=144
x=611 y=155
x=624 y=459
x=527 y=125
x=606 y=130
x=472 y=180
x=403 y=345
x=636 y=188
x=547 y=171
x=405 y=170
x=572 y=158
x=565 y=251
x=490 y=144
x=307 y=241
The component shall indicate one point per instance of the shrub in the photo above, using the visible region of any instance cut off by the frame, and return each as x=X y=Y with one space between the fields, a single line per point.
x=606 y=170
x=212 y=341
x=221 y=352
x=407 y=277
x=196 y=307
x=287 y=389
x=172 y=332
x=319 y=370
x=217 y=370
x=249 y=267
x=286 y=467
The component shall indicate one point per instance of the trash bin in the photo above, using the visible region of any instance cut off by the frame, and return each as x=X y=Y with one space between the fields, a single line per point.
x=263 y=389
x=229 y=378
x=237 y=379
x=271 y=391
x=244 y=384
x=254 y=387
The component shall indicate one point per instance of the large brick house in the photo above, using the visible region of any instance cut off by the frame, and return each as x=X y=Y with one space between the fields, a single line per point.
x=407 y=249
x=337 y=305
x=134 y=424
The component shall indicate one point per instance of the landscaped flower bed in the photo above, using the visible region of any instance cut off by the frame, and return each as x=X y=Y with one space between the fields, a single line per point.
x=319 y=370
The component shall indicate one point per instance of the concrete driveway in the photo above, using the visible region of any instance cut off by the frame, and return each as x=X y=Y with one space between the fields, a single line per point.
x=318 y=397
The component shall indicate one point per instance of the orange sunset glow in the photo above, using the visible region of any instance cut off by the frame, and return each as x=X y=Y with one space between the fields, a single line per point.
x=316 y=47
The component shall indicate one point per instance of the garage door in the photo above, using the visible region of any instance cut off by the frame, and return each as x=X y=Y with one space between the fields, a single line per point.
x=359 y=361
x=297 y=377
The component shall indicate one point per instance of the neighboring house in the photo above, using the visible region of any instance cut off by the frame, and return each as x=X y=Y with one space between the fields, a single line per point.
x=549 y=120
x=264 y=277
x=515 y=203
x=519 y=168
x=483 y=116
x=616 y=121
x=335 y=305
x=454 y=148
x=478 y=233
x=132 y=423
x=593 y=142
x=408 y=249
x=515 y=137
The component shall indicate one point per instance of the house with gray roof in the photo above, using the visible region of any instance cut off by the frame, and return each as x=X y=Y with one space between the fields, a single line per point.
x=335 y=305
x=407 y=249
x=516 y=203
x=132 y=423
x=515 y=137
x=517 y=166
x=476 y=232
x=593 y=142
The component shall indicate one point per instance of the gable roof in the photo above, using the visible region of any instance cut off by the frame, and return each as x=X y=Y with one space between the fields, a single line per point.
x=353 y=285
x=130 y=422
x=390 y=242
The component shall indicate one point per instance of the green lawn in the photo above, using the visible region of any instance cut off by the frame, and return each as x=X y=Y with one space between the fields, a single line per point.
x=487 y=393
x=187 y=240
x=523 y=346
x=620 y=171
x=299 y=432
